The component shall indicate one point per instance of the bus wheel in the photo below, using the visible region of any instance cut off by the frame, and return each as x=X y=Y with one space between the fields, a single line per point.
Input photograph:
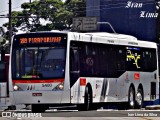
x=139 y=99
x=131 y=98
x=87 y=99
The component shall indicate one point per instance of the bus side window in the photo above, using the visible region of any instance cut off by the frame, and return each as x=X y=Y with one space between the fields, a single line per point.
x=74 y=64
x=74 y=60
x=120 y=60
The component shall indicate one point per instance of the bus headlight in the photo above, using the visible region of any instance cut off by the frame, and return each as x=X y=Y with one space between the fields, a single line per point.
x=16 y=88
x=59 y=87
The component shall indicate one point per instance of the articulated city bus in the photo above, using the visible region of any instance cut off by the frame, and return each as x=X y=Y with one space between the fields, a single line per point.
x=69 y=68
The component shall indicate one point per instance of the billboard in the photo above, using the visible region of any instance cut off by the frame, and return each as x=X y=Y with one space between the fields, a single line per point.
x=133 y=17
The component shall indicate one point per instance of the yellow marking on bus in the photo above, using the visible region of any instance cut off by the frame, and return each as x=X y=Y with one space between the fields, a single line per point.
x=135 y=58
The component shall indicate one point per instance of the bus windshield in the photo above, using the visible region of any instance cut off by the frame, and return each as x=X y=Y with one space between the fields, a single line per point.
x=39 y=56
x=39 y=62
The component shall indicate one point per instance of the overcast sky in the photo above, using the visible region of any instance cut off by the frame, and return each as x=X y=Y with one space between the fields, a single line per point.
x=4 y=8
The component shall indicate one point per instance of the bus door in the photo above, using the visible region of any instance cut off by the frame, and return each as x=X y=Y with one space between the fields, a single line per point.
x=3 y=83
x=74 y=70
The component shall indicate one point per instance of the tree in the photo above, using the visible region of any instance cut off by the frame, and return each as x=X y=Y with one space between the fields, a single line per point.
x=4 y=43
x=45 y=15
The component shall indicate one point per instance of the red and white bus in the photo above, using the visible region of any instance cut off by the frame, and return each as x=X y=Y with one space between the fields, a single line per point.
x=68 y=68
x=4 y=84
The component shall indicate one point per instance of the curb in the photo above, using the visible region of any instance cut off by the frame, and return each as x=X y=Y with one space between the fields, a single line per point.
x=153 y=107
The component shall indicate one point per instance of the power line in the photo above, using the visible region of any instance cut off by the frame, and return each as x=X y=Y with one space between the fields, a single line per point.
x=111 y=4
x=96 y=9
x=21 y=16
x=7 y=10
x=3 y=16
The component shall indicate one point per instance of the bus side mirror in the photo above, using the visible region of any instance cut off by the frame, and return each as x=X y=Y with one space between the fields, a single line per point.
x=2 y=71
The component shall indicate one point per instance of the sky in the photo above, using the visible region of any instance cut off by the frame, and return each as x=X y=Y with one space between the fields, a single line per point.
x=4 y=9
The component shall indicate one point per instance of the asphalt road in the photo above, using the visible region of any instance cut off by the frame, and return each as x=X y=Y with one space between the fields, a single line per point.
x=82 y=115
x=82 y=118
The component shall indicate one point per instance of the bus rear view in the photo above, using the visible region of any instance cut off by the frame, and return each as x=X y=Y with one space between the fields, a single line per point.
x=38 y=69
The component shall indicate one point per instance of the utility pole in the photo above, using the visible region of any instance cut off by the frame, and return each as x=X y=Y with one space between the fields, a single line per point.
x=10 y=21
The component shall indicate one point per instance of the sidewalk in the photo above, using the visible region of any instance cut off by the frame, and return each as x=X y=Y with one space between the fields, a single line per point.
x=18 y=107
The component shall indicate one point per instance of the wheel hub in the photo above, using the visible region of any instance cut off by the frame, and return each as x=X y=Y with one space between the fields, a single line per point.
x=139 y=98
x=131 y=99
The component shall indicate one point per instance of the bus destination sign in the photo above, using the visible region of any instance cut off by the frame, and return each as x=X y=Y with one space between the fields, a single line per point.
x=38 y=40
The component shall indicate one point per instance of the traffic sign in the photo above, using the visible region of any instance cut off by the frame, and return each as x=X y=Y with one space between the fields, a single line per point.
x=85 y=24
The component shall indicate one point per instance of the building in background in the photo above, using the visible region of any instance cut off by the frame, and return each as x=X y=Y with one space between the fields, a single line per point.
x=132 y=17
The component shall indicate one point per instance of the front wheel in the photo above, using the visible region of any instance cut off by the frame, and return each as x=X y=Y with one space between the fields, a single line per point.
x=87 y=99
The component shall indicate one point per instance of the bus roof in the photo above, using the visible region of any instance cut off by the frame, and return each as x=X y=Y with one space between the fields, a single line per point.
x=112 y=38
x=104 y=37
x=113 y=35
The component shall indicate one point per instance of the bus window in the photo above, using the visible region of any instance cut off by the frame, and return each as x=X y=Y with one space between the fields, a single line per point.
x=74 y=60
x=53 y=62
x=133 y=59
x=39 y=62
x=121 y=60
x=149 y=60
x=74 y=63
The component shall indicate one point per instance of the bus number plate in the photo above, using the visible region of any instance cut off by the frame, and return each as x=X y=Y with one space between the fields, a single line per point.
x=36 y=94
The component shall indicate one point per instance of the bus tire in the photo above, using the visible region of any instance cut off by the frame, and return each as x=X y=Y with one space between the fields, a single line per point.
x=87 y=99
x=131 y=98
x=139 y=98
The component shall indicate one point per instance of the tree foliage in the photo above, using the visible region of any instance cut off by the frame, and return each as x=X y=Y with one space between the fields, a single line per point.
x=45 y=15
